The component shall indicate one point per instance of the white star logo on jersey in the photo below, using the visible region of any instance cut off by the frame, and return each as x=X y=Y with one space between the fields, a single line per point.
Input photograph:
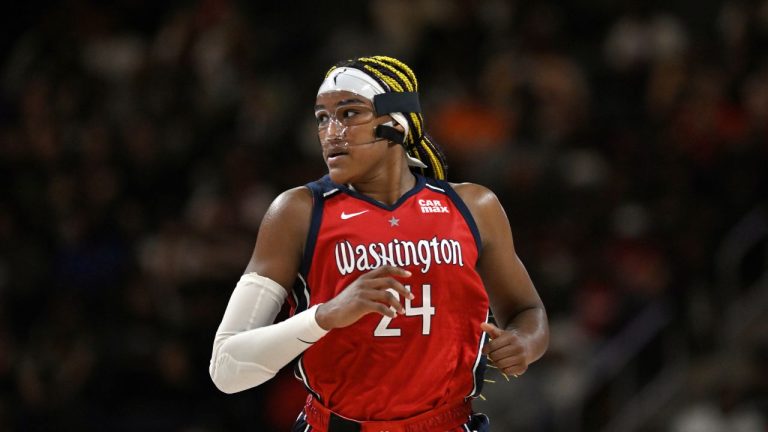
x=394 y=222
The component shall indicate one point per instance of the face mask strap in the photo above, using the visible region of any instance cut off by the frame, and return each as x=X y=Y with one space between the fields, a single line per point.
x=393 y=102
x=386 y=131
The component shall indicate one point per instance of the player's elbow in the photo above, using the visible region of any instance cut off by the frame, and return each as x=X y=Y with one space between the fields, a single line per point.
x=222 y=378
x=224 y=386
x=232 y=376
x=227 y=387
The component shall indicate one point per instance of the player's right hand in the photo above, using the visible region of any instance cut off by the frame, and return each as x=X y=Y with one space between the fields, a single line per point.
x=366 y=294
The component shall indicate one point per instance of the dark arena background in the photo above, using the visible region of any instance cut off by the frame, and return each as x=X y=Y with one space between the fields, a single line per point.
x=141 y=142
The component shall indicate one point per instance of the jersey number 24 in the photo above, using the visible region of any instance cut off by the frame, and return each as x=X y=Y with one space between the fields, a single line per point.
x=425 y=311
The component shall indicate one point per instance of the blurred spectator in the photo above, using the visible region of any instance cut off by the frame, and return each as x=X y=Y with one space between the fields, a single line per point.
x=142 y=142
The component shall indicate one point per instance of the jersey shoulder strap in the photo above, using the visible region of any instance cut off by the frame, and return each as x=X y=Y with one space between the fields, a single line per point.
x=322 y=189
x=445 y=188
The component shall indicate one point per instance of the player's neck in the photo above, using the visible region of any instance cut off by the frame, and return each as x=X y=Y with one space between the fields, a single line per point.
x=387 y=187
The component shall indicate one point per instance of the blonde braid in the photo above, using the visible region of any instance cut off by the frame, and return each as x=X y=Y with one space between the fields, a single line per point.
x=394 y=85
x=416 y=120
x=395 y=71
x=434 y=158
x=404 y=67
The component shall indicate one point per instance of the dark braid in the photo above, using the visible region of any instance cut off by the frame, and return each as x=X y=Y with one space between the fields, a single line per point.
x=395 y=76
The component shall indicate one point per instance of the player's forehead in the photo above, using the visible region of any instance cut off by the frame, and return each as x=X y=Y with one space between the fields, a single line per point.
x=334 y=99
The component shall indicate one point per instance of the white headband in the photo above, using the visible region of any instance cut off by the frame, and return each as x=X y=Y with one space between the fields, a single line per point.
x=358 y=82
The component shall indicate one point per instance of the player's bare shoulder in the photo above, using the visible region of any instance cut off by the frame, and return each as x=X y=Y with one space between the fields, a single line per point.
x=286 y=223
x=485 y=208
x=280 y=242
x=478 y=198
x=292 y=207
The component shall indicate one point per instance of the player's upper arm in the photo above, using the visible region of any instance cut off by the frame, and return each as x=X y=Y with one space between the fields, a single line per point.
x=282 y=234
x=509 y=287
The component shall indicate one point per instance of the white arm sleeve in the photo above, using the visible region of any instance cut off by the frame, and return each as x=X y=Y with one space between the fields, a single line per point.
x=248 y=349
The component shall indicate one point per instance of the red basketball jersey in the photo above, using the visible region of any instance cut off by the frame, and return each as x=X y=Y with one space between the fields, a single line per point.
x=388 y=369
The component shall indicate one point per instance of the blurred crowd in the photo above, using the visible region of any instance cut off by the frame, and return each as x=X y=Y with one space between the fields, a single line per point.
x=141 y=143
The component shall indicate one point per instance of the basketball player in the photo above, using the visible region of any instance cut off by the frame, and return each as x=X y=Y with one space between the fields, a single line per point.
x=396 y=266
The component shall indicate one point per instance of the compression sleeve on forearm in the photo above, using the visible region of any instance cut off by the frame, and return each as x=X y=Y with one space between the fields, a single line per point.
x=248 y=349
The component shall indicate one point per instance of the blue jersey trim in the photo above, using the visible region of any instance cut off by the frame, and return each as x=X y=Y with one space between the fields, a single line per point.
x=459 y=203
x=319 y=189
x=481 y=362
x=301 y=375
x=300 y=293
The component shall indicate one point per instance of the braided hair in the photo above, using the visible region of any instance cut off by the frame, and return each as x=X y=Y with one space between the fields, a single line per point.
x=395 y=76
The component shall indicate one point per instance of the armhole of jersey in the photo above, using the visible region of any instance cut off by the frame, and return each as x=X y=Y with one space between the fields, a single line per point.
x=481 y=362
x=301 y=375
x=318 y=202
x=301 y=290
x=459 y=203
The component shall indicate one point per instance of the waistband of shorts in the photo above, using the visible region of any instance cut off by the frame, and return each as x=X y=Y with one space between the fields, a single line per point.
x=443 y=418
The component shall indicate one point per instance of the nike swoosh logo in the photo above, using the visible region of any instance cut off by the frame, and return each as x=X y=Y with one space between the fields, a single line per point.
x=345 y=216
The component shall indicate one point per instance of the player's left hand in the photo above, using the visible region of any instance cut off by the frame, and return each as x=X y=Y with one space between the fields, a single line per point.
x=506 y=349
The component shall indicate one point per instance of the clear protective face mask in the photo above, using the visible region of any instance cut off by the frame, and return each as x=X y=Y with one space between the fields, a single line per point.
x=332 y=126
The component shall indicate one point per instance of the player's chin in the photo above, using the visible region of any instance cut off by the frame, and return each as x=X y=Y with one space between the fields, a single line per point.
x=339 y=175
